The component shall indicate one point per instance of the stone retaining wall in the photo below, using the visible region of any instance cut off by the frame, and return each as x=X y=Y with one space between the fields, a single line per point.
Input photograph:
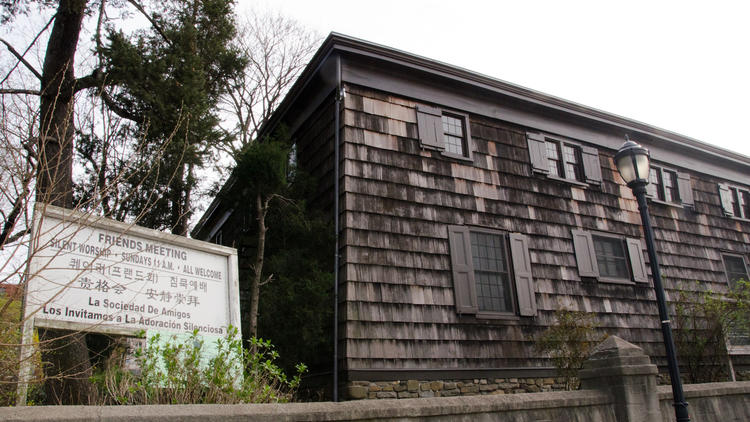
x=407 y=389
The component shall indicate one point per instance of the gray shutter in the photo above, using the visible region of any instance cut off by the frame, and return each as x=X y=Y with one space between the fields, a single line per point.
x=537 y=152
x=637 y=263
x=726 y=199
x=463 y=273
x=592 y=168
x=430 y=127
x=651 y=187
x=519 y=251
x=583 y=245
x=685 y=189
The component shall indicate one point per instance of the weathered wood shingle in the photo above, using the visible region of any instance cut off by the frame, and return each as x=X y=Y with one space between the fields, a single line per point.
x=399 y=200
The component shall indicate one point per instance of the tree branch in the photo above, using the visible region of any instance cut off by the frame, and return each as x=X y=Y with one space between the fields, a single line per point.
x=112 y=105
x=152 y=20
x=29 y=47
x=92 y=80
x=21 y=59
x=4 y=91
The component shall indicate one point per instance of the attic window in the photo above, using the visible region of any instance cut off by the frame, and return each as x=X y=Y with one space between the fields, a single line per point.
x=453 y=134
x=561 y=159
x=444 y=131
x=670 y=187
x=564 y=160
x=735 y=201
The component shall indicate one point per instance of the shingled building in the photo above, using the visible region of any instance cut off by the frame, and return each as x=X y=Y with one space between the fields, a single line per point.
x=471 y=209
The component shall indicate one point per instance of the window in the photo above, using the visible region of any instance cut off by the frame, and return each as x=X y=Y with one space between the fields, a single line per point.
x=735 y=201
x=734 y=265
x=562 y=159
x=736 y=270
x=670 y=186
x=445 y=131
x=663 y=185
x=216 y=235
x=609 y=258
x=491 y=272
x=453 y=134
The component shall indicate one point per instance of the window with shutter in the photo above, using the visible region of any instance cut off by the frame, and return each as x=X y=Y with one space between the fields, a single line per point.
x=445 y=131
x=735 y=201
x=609 y=258
x=491 y=272
x=669 y=186
x=563 y=160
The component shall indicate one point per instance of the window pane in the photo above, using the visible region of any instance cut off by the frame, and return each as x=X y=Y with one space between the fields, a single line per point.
x=453 y=126
x=453 y=135
x=572 y=156
x=736 y=203
x=610 y=257
x=491 y=272
x=736 y=270
x=745 y=204
x=670 y=186
x=553 y=158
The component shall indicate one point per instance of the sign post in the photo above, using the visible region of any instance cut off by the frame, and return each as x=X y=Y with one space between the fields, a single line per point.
x=94 y=274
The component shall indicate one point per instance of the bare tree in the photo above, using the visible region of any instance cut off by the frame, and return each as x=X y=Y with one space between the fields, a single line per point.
x=278 y=48
x=43 y=113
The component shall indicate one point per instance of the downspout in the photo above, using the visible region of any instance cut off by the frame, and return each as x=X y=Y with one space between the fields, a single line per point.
x=336 y=122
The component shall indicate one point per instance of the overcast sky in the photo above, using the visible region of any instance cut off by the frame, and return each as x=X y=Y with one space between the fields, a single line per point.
x=683 y=66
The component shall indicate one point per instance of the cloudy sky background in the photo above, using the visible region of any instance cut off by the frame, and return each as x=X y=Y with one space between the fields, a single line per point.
x=683 y=66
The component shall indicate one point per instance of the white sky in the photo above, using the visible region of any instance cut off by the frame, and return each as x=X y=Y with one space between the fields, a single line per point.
x=683 y=66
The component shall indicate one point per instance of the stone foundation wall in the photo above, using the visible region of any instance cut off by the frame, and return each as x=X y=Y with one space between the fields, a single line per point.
x=407 y=389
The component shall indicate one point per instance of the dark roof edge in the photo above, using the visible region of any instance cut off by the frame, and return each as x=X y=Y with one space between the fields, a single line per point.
x=355 y=45
x=299 y=85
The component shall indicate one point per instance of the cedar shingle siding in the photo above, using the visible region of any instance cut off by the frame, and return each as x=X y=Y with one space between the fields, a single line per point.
x=407 y=296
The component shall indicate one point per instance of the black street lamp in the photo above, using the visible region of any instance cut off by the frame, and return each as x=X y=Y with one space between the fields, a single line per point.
x=633 y=164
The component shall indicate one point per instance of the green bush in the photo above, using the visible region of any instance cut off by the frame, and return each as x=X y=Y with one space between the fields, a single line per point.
x=703 y=322
x=569 y=342
x=10 y=341
x=174 y=372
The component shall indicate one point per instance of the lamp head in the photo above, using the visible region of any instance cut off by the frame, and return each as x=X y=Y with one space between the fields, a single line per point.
x=633 y=163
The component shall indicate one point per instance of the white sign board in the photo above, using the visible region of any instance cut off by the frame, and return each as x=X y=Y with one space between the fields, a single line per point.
x=95 y=274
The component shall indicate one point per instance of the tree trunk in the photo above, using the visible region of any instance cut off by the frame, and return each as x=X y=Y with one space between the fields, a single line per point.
x=262 y=207
x=55 y=180
x=177 y=219
x=68 y=369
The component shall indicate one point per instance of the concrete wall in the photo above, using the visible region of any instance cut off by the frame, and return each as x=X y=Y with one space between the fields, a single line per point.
x=719 y=401
x=725 y=402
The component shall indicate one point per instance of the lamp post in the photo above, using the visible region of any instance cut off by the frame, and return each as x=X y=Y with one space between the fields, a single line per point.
x=633 y=164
